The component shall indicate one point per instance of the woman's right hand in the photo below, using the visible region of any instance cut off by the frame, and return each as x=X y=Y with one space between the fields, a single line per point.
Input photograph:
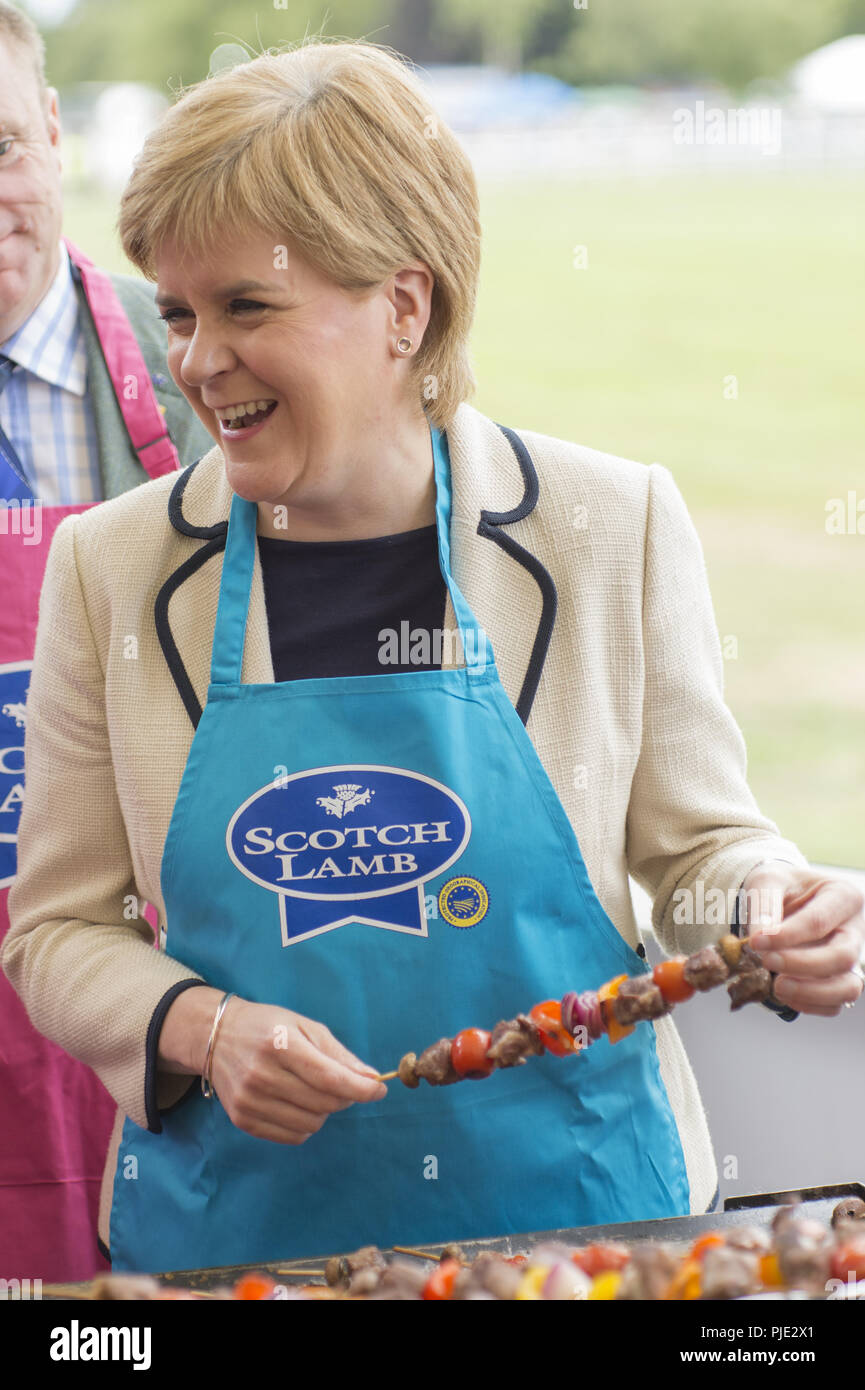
x=277 y=1074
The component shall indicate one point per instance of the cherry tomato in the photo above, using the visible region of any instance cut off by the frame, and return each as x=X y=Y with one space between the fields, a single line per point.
x=606 y=994
x=516 y=1259
x=440 y=1284
x=554 y=1035
x=670 y=980
x=699 y=1248
x=469 y=1053
x=849 y=1258
x=597 y=1259
x=253 y=1286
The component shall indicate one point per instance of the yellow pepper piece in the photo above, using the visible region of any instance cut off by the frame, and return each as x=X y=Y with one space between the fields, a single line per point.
x=685 y=1283
x=532 y=1282
x=615 y=1030
x=770 y=1272
x=605 y=1286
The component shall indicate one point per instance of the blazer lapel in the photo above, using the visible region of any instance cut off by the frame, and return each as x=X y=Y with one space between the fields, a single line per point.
x=495 y=488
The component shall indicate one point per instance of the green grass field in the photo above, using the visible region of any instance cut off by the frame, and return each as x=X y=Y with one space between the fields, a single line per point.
x=689 y=282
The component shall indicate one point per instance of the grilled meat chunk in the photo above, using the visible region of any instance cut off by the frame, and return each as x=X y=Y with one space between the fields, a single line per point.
x=804 y=1252
x=648 y=1272
x=639 y=998
x=340 y=1269
x=365 y=1281
x=513 y=1040
x=753 y=1238
x=434 y=1064
x=751 y=985
x=490 y=1275
x=403 y=1280
x=729 y=1272
x=706 y=968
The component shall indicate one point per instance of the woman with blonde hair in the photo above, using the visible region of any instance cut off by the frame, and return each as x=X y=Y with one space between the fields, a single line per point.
x=377 y=729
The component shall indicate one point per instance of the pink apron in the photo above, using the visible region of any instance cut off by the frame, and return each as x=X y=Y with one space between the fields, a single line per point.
x=55 y=1115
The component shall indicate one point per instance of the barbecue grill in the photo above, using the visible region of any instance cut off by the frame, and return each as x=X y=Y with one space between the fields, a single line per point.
x=755 y=1209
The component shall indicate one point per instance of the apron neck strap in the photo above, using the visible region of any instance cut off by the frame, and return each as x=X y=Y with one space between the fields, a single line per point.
x=239 y=562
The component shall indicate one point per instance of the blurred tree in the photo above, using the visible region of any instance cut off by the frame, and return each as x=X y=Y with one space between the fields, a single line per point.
x=169 y=42
x=734 y=42
x=504 y=29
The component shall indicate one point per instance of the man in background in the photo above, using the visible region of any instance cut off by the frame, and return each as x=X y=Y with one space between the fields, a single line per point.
x=87 y=411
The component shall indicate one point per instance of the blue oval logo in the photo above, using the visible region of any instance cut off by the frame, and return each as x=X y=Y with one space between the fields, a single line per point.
x=349 y=833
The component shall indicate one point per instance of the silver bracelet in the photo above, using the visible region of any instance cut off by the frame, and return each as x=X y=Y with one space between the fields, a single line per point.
x=206 y=1077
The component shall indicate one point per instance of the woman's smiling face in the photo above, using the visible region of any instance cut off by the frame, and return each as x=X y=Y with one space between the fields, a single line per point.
x=254 y=324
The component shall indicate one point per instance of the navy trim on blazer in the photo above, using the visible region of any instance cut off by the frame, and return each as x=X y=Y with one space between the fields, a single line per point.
x=163 y=627
x=157 y=1018
x=175 y=510
x=216 y=537
x=489 y=527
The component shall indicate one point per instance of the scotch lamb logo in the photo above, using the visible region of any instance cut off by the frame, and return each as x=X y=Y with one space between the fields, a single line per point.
x=14 y=684
x=344 y=800
x=368 y=869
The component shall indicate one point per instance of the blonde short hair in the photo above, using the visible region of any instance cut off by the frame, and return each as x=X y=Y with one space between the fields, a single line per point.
x=332 y=146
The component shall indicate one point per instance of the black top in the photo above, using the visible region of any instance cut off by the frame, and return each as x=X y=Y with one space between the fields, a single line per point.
x=353 y=608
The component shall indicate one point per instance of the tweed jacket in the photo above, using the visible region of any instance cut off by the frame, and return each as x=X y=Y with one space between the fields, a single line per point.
x=586 y=573
x=119 y=467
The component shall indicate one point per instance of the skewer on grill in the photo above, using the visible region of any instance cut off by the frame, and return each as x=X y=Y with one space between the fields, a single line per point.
x=579 y=1019
x=448 y=1252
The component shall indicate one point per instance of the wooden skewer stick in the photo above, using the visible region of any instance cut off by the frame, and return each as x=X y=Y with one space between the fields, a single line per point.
x=421 y=1254
x=387 y=1076
x=318 y=1273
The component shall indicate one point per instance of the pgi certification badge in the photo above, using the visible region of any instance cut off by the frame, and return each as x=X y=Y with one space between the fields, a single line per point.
x=351 y=843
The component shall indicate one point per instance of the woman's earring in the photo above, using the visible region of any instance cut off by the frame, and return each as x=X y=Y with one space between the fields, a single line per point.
x=404 y=344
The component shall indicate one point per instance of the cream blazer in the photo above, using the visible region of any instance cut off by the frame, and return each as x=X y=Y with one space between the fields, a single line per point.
x=586 y=572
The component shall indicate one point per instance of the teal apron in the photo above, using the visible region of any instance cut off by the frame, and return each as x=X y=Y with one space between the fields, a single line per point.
x=387 y=855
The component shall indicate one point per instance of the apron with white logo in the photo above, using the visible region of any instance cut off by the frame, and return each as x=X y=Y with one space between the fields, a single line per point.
x=387 y=855
x=55 y=1115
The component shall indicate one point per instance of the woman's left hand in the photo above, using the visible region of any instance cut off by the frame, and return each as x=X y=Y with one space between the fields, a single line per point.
x=810 y=933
